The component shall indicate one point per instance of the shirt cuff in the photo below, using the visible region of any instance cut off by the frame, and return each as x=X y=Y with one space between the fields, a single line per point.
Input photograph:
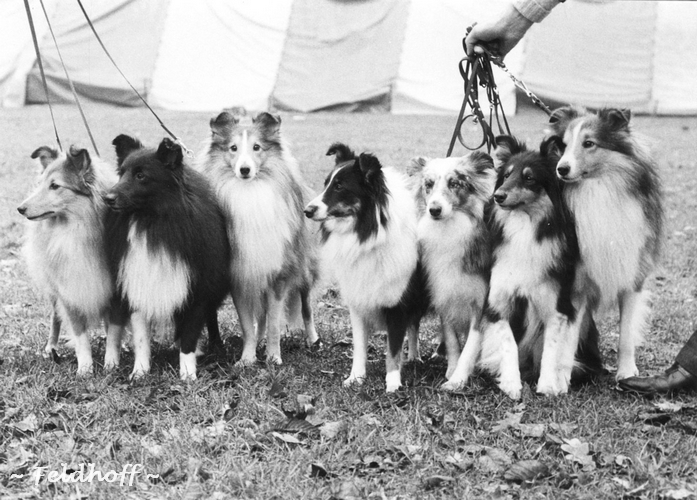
x=535 y=10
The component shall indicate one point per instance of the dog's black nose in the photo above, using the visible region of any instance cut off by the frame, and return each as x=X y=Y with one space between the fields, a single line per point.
x=500 y=197
x=310 y=211
x=110 y=199
x=22 y=210
x=563 y=170
x=435 y=211
x=244 y=171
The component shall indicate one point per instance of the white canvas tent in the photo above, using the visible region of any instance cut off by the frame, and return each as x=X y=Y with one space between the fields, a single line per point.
x=371 y=55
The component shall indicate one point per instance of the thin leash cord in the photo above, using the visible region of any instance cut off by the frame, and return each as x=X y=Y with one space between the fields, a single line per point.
x=41 y=69
x=89 y=21
x=70 y=81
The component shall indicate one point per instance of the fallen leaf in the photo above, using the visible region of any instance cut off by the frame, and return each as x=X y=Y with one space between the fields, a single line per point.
x=526 y=470
x=494 y=460
x=295 y=425
x=331 y=430
x=668 y=406
x=286 y=438
x=531 y=430
x=29 y=424
x=578 y=452
x=318 y=471
x=677 y=494
x=622 y=482
x=433 y=482
x=370 y=420
x=277 y=390
x=511 y=420
x=623 y=461
x=565 y=428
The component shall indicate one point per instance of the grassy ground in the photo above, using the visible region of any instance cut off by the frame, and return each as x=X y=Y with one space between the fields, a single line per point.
x=237 y=434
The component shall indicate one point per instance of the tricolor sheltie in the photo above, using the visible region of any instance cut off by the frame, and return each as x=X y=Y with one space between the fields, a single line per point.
x=455 y=250
x=613 y=191
x=535 y=258
x=260 y=189
x=64 y=246
x=169 y=254
x=368 y=224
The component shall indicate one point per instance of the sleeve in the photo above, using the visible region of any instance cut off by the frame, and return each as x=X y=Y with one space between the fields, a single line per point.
x=535 y=10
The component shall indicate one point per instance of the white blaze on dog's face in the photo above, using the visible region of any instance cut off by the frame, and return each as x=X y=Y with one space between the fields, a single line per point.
x=247 y=153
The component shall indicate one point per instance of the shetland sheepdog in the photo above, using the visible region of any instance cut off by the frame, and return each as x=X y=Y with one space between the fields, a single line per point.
x=614 y=193
x=168 y=251
x=368 y=231
x=455 y=250
x=535 y=257
x=260 y=189
x=64 y=247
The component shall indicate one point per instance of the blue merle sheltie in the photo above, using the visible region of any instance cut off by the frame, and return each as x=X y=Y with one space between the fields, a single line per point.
x=613 y=190
x=274 y=264
x=368 y=224
x=168 y=250
x=455 y=250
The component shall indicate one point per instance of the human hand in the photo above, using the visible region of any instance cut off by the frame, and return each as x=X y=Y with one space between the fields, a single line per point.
x=499 y=35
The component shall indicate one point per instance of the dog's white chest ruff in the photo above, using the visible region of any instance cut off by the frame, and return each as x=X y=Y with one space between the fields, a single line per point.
x=612 y=233
x=155 y=283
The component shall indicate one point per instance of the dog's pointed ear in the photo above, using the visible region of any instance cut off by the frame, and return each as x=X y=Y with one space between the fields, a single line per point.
x=506 y=147
x=46 y=155
x=170 y=154
x=370 y=166
x=342 y=153
x=481 y=161
x=552 y=147
x=80 y=162
x=617 y=119
x=416 y=165
x=124 y=145
x=269 y=124
x=561 y=117
x=221 y=126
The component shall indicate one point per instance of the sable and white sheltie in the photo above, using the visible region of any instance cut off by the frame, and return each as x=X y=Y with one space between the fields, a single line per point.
x=64 y=247
x=260 y=189
x=368 y=224
x=613 y=190
x=455 y=250
x=168 y=251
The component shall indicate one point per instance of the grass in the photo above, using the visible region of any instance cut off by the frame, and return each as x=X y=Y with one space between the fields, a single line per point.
x=232 y=434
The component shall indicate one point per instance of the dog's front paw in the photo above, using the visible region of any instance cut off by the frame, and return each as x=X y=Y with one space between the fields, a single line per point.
x=453 y=385
x=139 y=373
x=85 y=370
x=245 y=362
x=512 y=388
x=354 y=380
x=630 y=370
x=393 y=381
x=274 y=359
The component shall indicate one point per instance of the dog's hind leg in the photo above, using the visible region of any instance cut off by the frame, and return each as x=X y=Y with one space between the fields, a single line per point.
x=413 y=342
x=311 y=336
x=397 y=322
x=360 y=330
x=77 y=324
x=141 y=346
x=54 y=334
x=115 y=321
x=189 y=324
x=452 y=345
x=634 y=312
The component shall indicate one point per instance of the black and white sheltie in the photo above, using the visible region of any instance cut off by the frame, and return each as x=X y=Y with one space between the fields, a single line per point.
x=261 y=191
x=65 y=247
x=613 y=191
x=368 y=222
x=167 y=247
x=455 y=250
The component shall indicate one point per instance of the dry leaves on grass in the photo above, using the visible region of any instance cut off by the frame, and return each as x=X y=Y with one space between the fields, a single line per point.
x=579 y=452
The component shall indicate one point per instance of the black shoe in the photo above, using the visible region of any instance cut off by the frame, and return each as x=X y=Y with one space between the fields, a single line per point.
x=675 y=379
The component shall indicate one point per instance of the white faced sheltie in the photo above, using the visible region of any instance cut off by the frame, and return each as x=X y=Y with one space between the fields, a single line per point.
x=64 y=246
x=455 y=250
x=613 y=191
x=168 y=250
x=262 y=194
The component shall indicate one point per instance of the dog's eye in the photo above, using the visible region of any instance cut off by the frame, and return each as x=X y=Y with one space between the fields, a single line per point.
x=53 y=186
x=338 y=186
x=588 y=144
x=528 y=178
x=139 y=176
x=233 y=148
x=454 y=184
x=256 y=147
x=428 y=185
